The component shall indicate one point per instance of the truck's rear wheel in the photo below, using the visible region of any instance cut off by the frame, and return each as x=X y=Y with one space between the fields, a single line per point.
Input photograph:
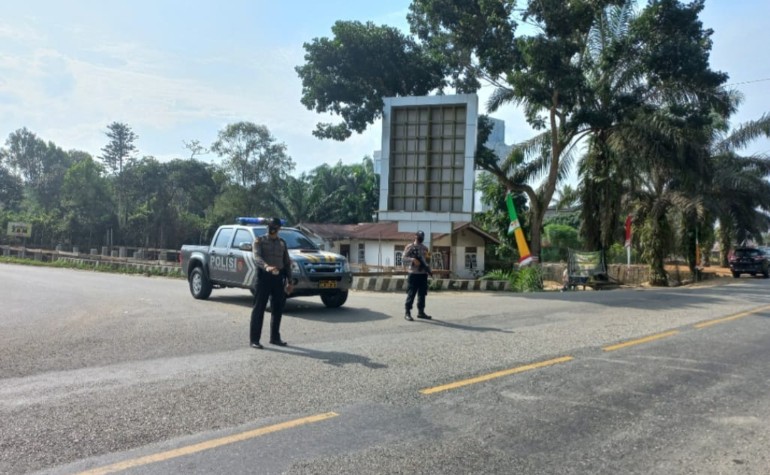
x=334 y=300
x=200 y=286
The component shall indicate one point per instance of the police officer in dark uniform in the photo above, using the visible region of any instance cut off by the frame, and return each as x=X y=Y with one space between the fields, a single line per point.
x=274 y=278
x=415 y=258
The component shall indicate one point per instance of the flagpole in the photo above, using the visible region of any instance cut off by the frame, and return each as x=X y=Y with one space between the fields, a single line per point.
x=628 y=256
x=628 y=240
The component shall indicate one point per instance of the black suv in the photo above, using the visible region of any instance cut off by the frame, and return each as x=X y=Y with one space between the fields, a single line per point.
x=749 y=260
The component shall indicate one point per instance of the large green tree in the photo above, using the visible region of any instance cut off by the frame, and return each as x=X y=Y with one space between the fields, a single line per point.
x=120 y=147
x=86 y=205
x=192 y=188
x=40 y=165
x=10 y=185
x=553 y=74
x=541 y=72
x=349 y=74
x=252 y=156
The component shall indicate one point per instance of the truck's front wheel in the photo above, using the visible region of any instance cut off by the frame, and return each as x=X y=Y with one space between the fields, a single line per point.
x=200 y=286
x=335 y=299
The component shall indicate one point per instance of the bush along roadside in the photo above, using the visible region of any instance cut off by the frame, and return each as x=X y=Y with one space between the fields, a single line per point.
x=98 y=266
x=525 y=279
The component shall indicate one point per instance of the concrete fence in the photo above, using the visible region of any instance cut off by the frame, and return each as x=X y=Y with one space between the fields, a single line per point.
x=633 y=275
x=106 y=259
x=620 y=273
x=170 y=270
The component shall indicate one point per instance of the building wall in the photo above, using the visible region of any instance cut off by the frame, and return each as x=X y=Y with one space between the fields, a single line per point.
x=376 y=253
x=461 y=240
x=381 y=254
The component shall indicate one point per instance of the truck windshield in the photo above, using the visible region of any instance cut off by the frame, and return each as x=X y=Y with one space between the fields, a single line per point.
x=294 y=238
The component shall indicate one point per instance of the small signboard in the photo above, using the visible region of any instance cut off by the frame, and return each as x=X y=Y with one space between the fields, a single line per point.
x=20 y=230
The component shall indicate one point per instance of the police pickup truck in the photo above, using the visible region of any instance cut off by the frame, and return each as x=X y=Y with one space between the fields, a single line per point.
x=228 y=262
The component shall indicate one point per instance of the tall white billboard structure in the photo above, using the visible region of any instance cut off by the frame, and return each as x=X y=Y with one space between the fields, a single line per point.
x=427 y=172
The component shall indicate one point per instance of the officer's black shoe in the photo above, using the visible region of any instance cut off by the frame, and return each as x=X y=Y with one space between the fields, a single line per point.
x=408 y=316
x=278 y=342
x=256 y=345
x=424 y=316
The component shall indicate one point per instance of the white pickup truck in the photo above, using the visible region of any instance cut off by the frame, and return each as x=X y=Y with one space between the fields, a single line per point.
x=229 y=262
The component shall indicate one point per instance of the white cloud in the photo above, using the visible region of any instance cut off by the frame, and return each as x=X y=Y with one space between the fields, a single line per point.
x=69 y=94
x=21 y=33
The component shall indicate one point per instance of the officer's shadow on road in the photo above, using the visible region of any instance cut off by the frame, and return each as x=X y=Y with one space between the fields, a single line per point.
x=472 y=328
x=306 y=308
x=334 y=358
x=319 y=313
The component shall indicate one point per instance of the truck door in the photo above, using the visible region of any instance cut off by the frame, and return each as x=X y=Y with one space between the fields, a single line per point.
x=245 y=266
x=221 y=257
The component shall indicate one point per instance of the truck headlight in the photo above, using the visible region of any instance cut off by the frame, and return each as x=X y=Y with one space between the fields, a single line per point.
x=345 y=266
x=295 y=268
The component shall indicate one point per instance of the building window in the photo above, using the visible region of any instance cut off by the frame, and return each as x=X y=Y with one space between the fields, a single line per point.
x=470 y=258
x=399 y=256
x=361 y=253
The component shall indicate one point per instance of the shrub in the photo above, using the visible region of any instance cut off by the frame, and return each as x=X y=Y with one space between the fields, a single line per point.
x=525 y=279
x=560 y=239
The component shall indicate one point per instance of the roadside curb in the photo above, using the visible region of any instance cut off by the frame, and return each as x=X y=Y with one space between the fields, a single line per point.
x=398 y=284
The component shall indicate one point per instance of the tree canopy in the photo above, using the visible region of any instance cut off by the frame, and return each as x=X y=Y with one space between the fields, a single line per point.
x=349 y=74
x=72 y=199
x=579 y=69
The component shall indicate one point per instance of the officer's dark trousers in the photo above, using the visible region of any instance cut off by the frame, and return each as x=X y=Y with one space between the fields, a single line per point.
x=417 y=284
x=268 y=285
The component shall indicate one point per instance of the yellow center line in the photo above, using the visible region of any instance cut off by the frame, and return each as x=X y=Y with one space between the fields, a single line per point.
x=498 y=374
x=209 y=444
x=708 y=323
x=639 y=341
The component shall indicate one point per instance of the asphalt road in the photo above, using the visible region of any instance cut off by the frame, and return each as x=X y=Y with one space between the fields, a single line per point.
x=103 y=372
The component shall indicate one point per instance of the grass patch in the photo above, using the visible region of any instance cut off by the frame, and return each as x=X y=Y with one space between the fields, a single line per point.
x=525 y=279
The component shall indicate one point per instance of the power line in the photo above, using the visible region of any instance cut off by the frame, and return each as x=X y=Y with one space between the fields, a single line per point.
x=747 y=82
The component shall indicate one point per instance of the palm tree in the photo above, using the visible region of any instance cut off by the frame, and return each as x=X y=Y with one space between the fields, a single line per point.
x=566 y=197
x=667 y=158
x=739 y=194
x=295 y=201
x=616 y=91
x=343 y=194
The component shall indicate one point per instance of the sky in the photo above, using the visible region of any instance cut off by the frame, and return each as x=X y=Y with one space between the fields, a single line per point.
x=177 y=71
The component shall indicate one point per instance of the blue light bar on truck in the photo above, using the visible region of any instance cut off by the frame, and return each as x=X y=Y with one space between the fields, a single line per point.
x=246 y=221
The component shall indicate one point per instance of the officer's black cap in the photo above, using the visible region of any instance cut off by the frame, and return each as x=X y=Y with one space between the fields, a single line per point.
x=275 y=222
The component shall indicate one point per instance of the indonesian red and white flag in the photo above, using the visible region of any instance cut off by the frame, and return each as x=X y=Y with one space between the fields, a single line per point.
x=628 y=231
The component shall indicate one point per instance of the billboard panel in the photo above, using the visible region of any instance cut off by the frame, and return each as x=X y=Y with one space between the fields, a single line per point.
x=428 y=144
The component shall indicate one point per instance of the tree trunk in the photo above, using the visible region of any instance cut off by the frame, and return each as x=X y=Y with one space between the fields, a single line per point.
x=724 y=246
x=535 y=231
x=658 y=275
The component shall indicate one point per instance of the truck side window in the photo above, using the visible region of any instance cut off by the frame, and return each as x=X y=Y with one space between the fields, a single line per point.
x=223 y=238
x=241 y=236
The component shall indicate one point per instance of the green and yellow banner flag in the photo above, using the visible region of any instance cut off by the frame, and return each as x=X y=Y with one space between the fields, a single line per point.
x=515 y=229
